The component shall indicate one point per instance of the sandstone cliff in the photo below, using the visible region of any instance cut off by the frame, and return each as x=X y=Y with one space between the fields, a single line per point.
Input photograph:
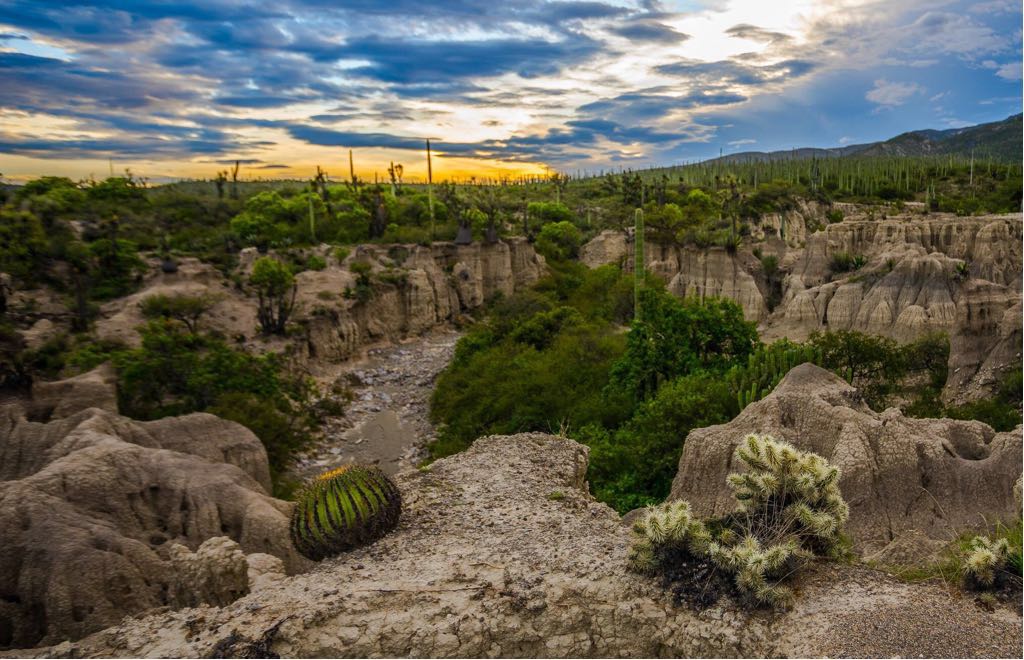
x=501 y=552
x=414 y=288
x=961 y=276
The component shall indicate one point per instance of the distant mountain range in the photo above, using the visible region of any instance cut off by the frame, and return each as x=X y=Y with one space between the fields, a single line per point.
x=999 y=140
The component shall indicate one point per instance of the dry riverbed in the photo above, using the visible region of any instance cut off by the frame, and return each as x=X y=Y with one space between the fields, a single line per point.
x=386 y=423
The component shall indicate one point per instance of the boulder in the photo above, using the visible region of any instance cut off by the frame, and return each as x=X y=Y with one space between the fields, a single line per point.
x=501 y=552
x=62 y=398
x=937 y=476
x=102 y=516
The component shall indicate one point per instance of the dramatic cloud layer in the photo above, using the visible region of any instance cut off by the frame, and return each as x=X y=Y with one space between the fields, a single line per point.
x=179 y=88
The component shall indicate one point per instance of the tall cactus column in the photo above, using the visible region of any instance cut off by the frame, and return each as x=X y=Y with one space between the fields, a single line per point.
x=638 y=260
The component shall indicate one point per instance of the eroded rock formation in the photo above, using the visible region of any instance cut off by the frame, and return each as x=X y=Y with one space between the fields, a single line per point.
x=936 y=477
x=100 y=515
x=501 y=552
x=414 y=288
x=961 y=276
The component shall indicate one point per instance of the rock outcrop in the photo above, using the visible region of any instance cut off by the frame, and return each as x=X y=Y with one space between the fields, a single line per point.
x=413 y=289
x=936 y=477
x=62 y=398
x=935 y=273
x=501 y=552
x=100 y=515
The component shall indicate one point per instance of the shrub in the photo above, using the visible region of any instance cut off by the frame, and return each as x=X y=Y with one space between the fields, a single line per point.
x=175 y=372
x=843 y=262
x=316 y=262
x=676 y=337
x=790 y=509
x=343 y=509
x=181 y=307
x=559 y=240
x=275 y=287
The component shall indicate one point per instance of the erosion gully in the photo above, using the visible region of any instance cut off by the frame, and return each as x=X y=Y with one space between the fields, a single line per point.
x=386 y=423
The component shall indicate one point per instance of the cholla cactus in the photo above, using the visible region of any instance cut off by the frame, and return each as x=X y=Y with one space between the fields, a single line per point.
x=790 y=506
x=793 y=492
x=758 y=569
x=986 y=558
x=668 y=525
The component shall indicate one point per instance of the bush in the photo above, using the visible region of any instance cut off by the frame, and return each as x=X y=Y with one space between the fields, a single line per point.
x=181 y=307
x=275 y=286
x=790 y=509
x=674 y=338
x=843 y=262
x=559 y=240
x=175 y=372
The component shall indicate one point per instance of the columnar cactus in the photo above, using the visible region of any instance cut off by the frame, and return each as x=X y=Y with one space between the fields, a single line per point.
x=342 y=509
x=638 y=260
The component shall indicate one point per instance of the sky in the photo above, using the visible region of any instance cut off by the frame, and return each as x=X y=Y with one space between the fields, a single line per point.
x=503 y=88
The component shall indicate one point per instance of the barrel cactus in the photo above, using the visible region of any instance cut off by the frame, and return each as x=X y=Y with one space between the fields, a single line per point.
x=344 y=508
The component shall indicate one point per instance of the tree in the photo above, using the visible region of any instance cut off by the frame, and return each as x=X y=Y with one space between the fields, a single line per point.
x=276 y=288
x=559 y=240
x=673 y=338
x=181 y=307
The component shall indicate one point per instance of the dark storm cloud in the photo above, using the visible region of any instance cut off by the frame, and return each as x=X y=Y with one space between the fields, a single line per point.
x=726 y=72
x=651 y=31
x=436 y=62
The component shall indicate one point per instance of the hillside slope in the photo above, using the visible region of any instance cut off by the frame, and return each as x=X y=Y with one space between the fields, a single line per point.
x=999 y=140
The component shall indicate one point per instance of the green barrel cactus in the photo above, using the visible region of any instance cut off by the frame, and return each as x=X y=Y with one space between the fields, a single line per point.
x=343 y=509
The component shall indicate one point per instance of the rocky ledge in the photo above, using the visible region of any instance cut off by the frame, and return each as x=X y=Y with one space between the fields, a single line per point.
x=501 y=551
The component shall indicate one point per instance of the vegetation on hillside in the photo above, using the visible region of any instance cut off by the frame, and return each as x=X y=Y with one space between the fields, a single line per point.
x=560 y=359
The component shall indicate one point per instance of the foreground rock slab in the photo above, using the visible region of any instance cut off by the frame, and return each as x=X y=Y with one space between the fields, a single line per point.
x=100 y=515
x=502 y=552
x=935 y=477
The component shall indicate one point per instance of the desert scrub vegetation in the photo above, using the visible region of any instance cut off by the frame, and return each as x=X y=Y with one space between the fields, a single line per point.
x=556 y=357
x=989 y=563
x=789 y=511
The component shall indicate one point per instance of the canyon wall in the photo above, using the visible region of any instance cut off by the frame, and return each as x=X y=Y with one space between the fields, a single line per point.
x=920 y=274
x=410 y=289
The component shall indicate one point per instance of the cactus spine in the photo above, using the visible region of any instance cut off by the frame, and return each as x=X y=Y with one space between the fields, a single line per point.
x=638 y=260
x=342 y=509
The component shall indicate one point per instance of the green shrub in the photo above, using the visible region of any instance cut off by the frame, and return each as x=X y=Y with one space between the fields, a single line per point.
x=175 y=372
x=559 y=240
x=676 y=337
x=182 y=307
x=843 y=262
x=275 y=287
x=316 y=262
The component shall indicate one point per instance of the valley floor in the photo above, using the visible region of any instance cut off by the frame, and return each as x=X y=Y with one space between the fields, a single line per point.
x=387 y=421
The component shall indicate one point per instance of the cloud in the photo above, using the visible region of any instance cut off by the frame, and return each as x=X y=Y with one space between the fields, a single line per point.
x=648 y=30
x=529 y=81
x=1010 y=71
x=754 y=33
x=439 y=62
x=887 y=94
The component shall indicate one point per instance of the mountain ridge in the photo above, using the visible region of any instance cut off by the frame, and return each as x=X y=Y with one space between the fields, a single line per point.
x=999 y=140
